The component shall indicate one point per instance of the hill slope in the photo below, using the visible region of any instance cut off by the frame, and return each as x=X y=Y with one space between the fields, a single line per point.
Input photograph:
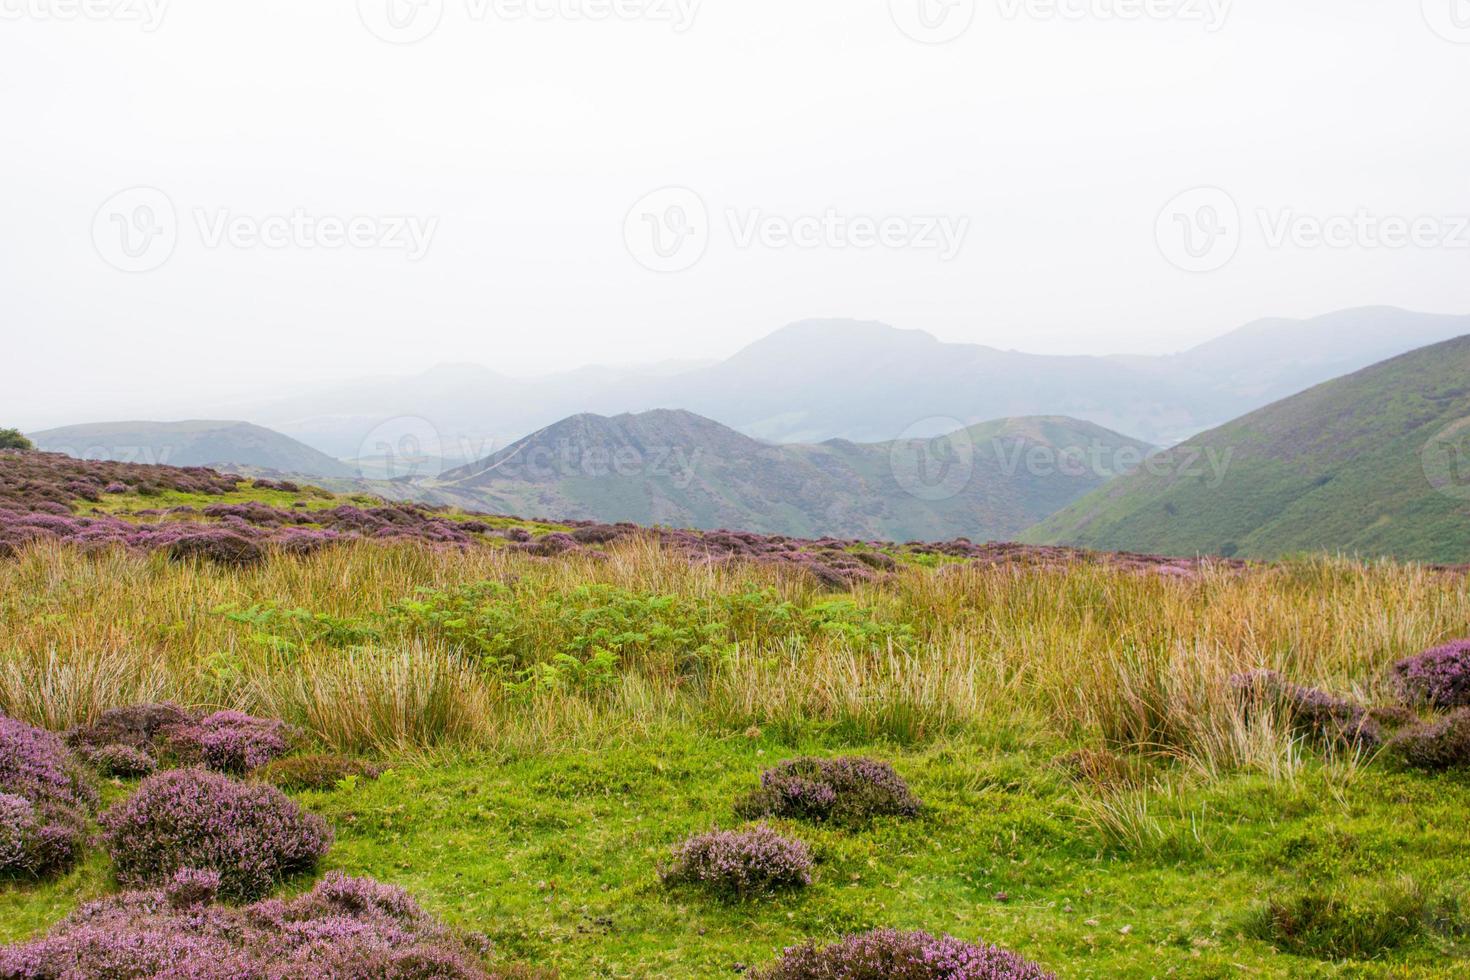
x=677 y=468
x=1377 y=463
x=197 y=443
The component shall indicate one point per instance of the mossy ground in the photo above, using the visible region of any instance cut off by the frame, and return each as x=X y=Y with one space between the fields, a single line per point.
x=554 y=855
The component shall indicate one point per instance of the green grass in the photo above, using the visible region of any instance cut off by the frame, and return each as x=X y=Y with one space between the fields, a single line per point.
x=555 y=857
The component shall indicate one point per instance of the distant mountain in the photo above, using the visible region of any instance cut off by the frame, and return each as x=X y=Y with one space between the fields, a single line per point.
x=1377 y=464
x=219 y=444
x=678 y=468
x=865 y=382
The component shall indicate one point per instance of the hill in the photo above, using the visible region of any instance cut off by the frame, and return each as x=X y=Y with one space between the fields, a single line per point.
x=1377 y=464
x=866 y=382
x=677 y=468
x=197 y=443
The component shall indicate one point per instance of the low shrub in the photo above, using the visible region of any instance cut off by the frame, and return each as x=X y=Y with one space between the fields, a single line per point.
x=46 y=799
x=122 y=761
x=843 y=790
x=253 y=836
x=1357 y=922
x=887 y=954
x=230 y=741
x=190 y=887
x=1329 y=720
x=1438 y=678
x=739 y=864
x=216 y=547
x=1434 y=746
x=314 y=772
x=342 y=928
x=137 y=726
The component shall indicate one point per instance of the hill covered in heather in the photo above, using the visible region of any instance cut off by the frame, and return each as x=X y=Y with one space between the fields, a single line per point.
x=1374 y=464
x=675 y=468
x=195 y=443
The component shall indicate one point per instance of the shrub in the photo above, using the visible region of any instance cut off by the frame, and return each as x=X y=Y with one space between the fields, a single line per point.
x=217 y=547
x=1325 y=718
x=886 y=954
x=254 y=836
x=137 y=726
x=230 y=741
x=844 y=790
x=190 y=887
x=46 y=797
x=342 y=928
x=318 y=772
x=1362 y=921
x=738 y=864
x=122 y=761
x=1439 y=678
x=1443 y=744
x=14 y=439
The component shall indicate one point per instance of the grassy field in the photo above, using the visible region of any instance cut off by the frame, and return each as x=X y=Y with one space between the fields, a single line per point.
x=553 y=728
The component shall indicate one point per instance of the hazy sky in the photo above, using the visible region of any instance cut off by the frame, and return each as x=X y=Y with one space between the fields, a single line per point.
x=297 y=197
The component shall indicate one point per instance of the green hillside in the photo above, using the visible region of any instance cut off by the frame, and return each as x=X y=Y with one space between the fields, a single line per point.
x=1375 y=464
x=677 y=468
x=197 y=443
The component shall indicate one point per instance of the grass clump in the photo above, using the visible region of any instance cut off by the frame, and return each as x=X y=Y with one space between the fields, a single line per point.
x=322 y=771
x=253 y=836
x=848 y=791
x=1362 y=921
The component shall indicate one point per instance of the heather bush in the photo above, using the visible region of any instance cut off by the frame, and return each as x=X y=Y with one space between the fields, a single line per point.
x=343 y=929
x=1325 y=718
x=230 y=741
x=122 y=761
x=740 y=864
x=254 y=836
x=137 y=726
x=314 y=772
x=886 y=954
x=843 y=790
x=1439 y=678
x=1434 y=746
x=218 y=547
x=1357 y=921
x=47 y=797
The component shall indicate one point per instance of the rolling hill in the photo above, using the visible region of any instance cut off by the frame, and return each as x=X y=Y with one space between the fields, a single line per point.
x=198 y=443
x=1376 y=464
x=677 y=468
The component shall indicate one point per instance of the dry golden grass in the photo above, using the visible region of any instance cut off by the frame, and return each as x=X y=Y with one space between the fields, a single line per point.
x=1091 y=655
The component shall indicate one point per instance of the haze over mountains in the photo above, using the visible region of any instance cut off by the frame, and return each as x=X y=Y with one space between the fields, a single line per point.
x=677 y=468
x=1374 y=464
x=866 y=382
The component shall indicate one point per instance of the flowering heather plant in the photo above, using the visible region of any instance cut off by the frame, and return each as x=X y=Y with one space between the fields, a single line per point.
x=343 y=928
x=220 y=547
x=190 y=887
x=738 y=864
x=1433 y=746
x=1329 y=720
x=122 y=761
x=254 y=836
x=137 y=726
x=230 y=741
x=46 y=798
x=843 y=790
x=1439 y=678
x=887 y=954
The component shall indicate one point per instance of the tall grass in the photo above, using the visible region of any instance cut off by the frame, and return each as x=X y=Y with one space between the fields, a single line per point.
x=1090 y=654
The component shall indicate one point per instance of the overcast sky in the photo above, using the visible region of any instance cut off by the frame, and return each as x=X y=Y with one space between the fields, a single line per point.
x=483 y=193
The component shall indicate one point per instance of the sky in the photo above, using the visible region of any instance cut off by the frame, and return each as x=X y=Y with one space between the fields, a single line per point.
x=202 y=200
